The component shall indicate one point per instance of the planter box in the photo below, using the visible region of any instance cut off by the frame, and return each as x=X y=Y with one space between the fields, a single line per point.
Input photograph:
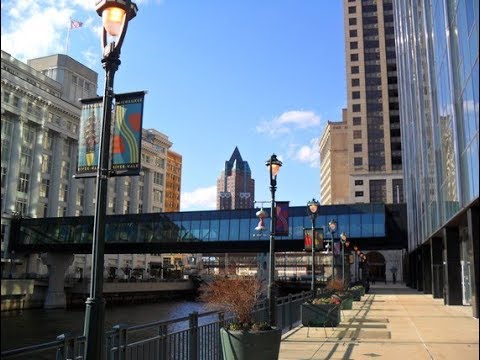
x=250 y=345
x=320 y=315
x=347 y=303
x=356 y=294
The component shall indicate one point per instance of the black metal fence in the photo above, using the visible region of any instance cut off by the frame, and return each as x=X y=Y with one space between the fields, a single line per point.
x=193 y=337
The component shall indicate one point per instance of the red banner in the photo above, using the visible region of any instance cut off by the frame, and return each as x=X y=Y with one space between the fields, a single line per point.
x=281 y=226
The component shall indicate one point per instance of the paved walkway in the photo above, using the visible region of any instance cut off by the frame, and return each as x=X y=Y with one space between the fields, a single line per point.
x=391 y=322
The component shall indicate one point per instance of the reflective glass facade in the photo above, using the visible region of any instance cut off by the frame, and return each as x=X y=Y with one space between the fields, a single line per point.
x=437 y=58
x=360 y=221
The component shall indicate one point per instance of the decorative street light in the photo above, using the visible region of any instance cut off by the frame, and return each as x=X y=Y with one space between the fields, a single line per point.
x=273 y=165
x=343 y=238
x=115 y=14
x=312 y=208
x=332 y=225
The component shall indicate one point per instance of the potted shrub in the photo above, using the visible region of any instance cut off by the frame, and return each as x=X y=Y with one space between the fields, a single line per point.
x=243 y=338
x=321 y=311
x=357 y=291
x=337 y=288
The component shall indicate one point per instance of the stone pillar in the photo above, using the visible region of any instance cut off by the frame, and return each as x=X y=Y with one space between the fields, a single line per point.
x=473 y=236
x=437 y=267
x=57 y=266
x=427 y=269
x=452 y=269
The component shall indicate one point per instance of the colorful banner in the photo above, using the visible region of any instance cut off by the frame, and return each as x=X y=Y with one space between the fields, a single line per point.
x=127 y=134
x=126 y=140
x=307 y=239
x=281 y=226
x=89 y=138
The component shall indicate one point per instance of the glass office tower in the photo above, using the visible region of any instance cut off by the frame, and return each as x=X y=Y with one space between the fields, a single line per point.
x=437 y=59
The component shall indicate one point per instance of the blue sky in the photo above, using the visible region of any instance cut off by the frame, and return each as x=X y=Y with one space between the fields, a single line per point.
x=265 y=76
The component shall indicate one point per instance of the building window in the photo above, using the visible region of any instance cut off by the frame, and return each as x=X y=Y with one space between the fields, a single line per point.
x=6 y=97
x=23 y=180
x=355 y=82
x=157 y=195
x=47 y=140
x=358 y=193
x=358 y=182
x=26 y=157
x=353 y=57
x=44 y=188
x=355 y=69
x=353 y=33
x=357 y=120
x=397 y=189
x=357 y=134
x=353 y=45
x=28 y=135
x=16 y=102
x=352 y=21
x=4 y=176
x=158 y=178
x=355 y=94
x=357 y=147
x=378 y=191
x=356 y=108
x=21 y=206
x=358 y=161
x=80 y=197
x=352 y=9
x=46 y=164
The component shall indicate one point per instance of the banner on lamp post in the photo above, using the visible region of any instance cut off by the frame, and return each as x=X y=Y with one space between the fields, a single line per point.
x=127 y=134
x=126 y=141
x=89 y=137
x=281 y=226
x=308 y=237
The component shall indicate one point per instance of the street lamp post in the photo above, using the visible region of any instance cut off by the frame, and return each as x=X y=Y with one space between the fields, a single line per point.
x=333 y=226
x=343 y=238
x=312 y=208
x=273 y=165
x=115 y=14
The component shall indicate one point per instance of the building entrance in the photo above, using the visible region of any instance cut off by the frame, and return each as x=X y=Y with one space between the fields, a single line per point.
x=376 y=266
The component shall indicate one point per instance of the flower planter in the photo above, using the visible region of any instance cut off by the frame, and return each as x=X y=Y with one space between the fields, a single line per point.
x=320 y=314
x=356 y=294
x=347 y=303
x=251 y=345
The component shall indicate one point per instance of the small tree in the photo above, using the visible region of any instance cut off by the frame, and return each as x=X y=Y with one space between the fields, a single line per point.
x=237 y=295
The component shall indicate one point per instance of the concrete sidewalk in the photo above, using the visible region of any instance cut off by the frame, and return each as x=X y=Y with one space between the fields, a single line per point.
x=392 y=322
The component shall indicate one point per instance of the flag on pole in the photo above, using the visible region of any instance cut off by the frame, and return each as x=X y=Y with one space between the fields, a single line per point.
x=75 y=24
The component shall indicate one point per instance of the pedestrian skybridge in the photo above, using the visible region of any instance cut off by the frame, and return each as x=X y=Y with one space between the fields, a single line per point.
x=377 y=226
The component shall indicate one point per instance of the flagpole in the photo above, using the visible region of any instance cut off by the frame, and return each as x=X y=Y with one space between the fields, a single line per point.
x=68 y=36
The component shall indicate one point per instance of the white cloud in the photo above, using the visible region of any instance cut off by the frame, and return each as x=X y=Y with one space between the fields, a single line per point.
x=199 y=199
x=287 y=121
x=307 y=154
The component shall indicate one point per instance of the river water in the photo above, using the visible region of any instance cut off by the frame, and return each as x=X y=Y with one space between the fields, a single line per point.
x=35 y=326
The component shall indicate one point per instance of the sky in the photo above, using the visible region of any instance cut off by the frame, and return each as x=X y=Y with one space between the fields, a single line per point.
x=264 y=76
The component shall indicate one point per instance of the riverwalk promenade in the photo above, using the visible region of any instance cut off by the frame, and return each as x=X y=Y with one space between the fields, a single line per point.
x=391 y=322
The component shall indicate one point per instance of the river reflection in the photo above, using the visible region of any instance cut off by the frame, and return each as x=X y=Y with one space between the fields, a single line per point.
x=35 y=326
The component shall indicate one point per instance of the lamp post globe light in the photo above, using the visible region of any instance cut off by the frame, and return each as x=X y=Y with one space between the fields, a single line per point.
x=343 y=238
x=115 y=15
x=332 y=225
x=273 y=165
x=312 y=209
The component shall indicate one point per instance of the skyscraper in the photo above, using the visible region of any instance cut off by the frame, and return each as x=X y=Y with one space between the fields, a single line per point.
x=235 y=186
x=437 y=51
x=375 y=159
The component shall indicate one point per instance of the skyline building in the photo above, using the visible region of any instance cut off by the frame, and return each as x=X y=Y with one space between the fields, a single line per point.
x=437 y=51
x=334 y=177
x=375 y=157
x=235 y=185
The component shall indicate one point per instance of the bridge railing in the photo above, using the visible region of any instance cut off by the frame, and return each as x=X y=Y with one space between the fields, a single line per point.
x=193 y=337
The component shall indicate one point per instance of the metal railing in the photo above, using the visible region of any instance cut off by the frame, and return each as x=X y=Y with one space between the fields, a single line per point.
x=193 y=337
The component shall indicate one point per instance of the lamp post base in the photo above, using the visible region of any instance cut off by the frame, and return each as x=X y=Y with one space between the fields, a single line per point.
x=94 y=331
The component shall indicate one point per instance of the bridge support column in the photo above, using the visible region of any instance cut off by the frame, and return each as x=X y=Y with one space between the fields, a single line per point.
x=57 y=266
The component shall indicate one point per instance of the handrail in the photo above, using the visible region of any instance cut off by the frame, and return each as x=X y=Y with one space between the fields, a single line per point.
x=66 y=343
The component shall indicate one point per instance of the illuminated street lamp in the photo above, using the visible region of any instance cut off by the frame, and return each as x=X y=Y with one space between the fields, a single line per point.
x=343 y=239
x=332 y=225
x=274 y=166
x=115 y=15
x=312 y=208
